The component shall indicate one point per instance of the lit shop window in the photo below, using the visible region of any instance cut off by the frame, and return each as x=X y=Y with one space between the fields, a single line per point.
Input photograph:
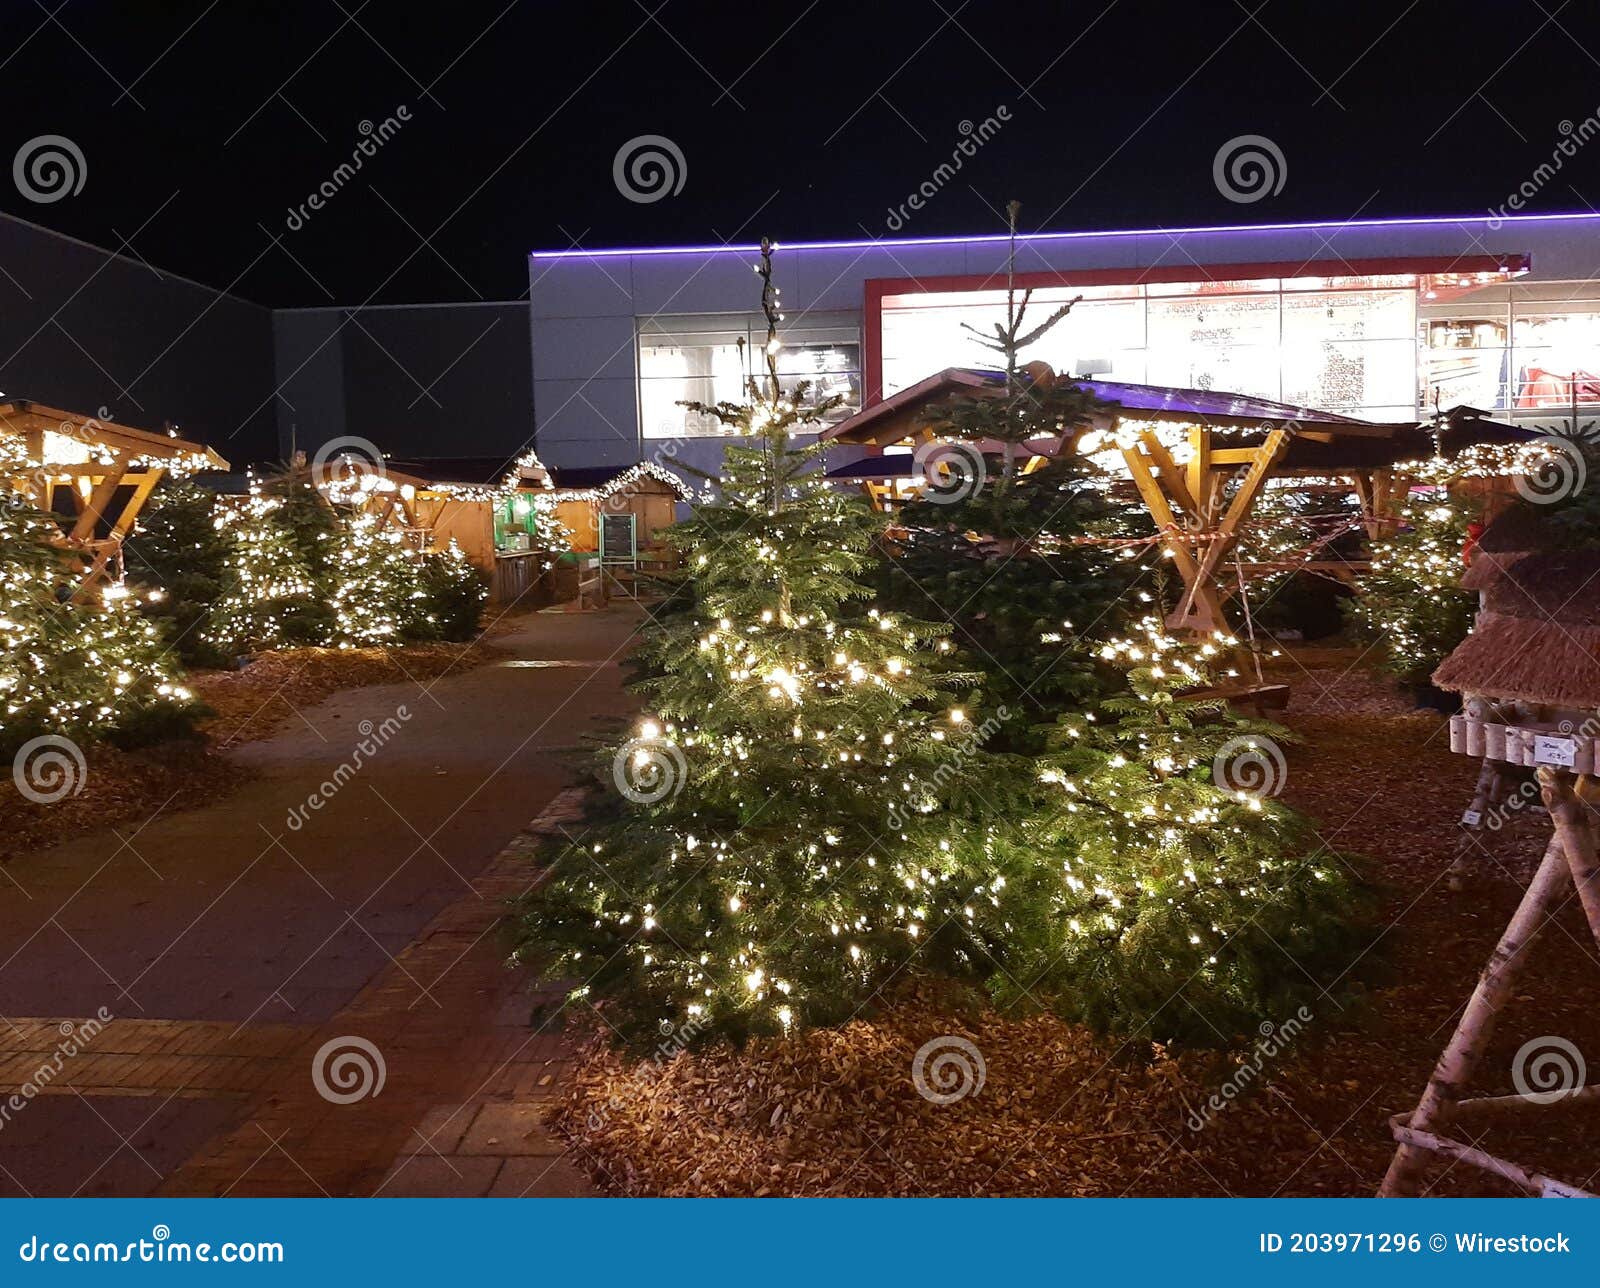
x=1556 y=360
x=700 y=359
x=1342 y=344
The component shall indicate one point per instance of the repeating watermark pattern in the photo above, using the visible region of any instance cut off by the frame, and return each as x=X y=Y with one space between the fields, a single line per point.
x=649 y=167
x=973 y=137
x=373 y=738
x=1573 y=137
x=947 y=1069
x=675 y=1038
x=965 y=748
x=1273 y=1040
x=950 y=472
x=1249 y=167
x=1250 y=766
x=1548 y=1069
x=373 y=137
x=347 y=1069
x=49 y=768
x=48 y=168
x=649 y=768
x=74 y=1038
x=1556 y=476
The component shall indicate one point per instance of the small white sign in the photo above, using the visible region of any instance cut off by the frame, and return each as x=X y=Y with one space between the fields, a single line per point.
x=1560 y=752
x=1471 y=818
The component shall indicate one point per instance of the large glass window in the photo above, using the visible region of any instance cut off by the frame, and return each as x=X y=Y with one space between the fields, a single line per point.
x=1341 y=344
x=700 y=359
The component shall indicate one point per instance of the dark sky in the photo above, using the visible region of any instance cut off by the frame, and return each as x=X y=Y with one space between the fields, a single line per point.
x=202 y=124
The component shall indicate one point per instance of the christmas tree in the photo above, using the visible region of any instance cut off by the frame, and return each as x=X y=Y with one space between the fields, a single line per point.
x=377 y=588
x=271 y=598
x=180 y=562
x=1023 y=565
x=1411 y=602
x=803 y=813
x=83 y=668
x=1174 y=896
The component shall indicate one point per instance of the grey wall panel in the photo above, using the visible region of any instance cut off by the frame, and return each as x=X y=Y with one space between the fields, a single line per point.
x=83 y=329
x=308 y=347
x=575 y=348
x=606 y=411
x=445 y=380
x=581 y=288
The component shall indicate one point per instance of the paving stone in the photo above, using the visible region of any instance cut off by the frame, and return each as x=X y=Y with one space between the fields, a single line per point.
x=510 y=1128
x=429 y=1177
x=441 y=1129
x=541 y=1178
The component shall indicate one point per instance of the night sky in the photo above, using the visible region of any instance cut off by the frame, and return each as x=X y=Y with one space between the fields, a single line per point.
x=203 y=125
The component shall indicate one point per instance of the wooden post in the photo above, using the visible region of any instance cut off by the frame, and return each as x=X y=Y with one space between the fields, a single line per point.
x=1575 y=830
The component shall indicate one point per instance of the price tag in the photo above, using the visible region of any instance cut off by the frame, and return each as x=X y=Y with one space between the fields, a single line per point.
x=1560 y=752
x=1471 y=818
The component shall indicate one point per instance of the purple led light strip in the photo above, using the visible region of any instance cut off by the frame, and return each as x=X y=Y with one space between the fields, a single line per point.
x=865 y=244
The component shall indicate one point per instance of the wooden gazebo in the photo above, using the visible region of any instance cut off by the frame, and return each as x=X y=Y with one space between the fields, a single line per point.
x=1182 y=448
x=95 y=474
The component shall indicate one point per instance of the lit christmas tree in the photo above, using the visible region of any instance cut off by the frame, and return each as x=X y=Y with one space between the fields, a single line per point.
x=802 y=815
x=85 y=669
x=271 y=598
x=1176 y=898
x=377 y=586
x=1411 y=602
x=179 y=562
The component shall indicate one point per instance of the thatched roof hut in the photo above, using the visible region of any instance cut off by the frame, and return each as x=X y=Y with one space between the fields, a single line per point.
x=1537 y=637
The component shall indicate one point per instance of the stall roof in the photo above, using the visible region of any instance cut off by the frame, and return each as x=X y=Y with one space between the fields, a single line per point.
x=23 y=416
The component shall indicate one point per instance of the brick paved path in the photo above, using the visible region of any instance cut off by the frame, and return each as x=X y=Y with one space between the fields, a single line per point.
x=218 y=1095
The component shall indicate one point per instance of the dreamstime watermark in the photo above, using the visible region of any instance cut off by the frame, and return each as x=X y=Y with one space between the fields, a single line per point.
x=649 y=167
x=48 y=769
x=49 y=167
x=160 y=1248
x=1251 y=766
x=373 y=137
x=74 y=1038
x=966 y=746
x=649 y=768
x=950 y=472
x=347 y=1069
x=348 y=465
x=1573 y=137
x=675 y=1038
x=1274 y=1038
x=373 y=739
x=1548 y=1069
x=1554 y=477
x=1249 y=167
x=973 y=137
x=947 y=1069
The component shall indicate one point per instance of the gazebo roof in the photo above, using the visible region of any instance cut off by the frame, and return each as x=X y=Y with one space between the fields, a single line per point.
x=56 y=429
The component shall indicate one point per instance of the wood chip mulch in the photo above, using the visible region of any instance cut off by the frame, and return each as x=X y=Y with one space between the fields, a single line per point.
x=1065 y=1112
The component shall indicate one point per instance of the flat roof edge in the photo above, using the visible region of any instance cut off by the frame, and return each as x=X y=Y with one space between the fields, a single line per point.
x=1418 y=221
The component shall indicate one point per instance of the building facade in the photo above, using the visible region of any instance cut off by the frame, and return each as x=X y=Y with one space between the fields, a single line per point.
x=1375 y=318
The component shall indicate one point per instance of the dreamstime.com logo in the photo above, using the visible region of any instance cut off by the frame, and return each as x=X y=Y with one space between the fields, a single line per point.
x=1556 y=476
x=160 y=1248
x=1251 y=767
x=1249 y=167
x=48 y=769
x=347 y=1069
x=649 y=167
x=947 y=1069
x=1273 y=1039
x=1548 y=1069
x=373 y=738
x=49 y=167
x=373 y=137
x=649 y=768
x=950 y=472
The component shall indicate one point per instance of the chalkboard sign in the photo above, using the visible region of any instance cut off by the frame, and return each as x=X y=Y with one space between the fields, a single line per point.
x=617 y=543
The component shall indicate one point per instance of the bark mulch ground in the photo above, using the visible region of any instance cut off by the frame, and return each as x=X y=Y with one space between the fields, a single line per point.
x=247 y=704
x=1061 y=1111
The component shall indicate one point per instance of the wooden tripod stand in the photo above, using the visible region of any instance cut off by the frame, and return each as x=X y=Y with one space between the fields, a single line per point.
x=1570 y=856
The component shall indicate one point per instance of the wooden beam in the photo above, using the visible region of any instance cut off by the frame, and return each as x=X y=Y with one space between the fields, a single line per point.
x=1200 y=598
x=93 y=508
x=1171 y=476
x=144 y=485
